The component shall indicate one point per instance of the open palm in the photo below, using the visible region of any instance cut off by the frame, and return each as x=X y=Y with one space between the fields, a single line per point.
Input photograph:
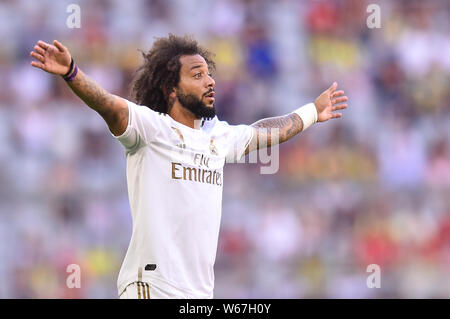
x=54 y=59
x=328 y=102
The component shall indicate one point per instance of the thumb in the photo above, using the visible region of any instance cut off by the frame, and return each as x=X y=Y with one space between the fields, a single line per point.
x=333 y=87
x=60 y=47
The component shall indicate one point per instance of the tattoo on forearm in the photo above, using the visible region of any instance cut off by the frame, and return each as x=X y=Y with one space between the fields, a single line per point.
x=97 y=98
x=288 y=125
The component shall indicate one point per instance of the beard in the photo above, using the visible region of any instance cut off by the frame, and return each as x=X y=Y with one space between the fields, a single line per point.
x=196 y=106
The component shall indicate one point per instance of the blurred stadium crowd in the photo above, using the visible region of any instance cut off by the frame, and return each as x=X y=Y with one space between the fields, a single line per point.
x=371 y=188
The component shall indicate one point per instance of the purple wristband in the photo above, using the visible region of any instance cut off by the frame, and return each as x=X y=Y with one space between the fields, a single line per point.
x=72 y=76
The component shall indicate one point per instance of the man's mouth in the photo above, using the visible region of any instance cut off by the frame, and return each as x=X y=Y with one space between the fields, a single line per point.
x=210 y=96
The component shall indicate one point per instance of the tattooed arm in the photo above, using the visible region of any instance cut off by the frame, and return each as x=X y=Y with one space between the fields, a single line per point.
x=288 y=126
x=112 y=108
x=56 y=59
x=291 y=124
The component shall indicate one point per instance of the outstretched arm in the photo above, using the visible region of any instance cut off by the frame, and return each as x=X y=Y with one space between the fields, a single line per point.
x=56 y=59
x=291 y=124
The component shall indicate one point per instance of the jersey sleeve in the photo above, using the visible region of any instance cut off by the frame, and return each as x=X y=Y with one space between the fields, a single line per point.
x=142 y=125
x=238 y=138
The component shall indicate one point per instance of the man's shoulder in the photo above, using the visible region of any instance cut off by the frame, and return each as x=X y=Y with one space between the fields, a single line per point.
x=146 y=111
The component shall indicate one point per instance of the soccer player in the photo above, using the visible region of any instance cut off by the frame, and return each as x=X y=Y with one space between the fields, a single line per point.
x=176 y=148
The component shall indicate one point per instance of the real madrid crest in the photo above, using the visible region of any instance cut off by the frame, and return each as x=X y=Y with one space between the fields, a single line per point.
x=212 y=147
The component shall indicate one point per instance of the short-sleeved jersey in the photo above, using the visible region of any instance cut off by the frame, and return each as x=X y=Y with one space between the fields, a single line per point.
x=175 y=182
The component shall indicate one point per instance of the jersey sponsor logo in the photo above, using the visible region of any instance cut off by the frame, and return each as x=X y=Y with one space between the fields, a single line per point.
x=201 y=160
x=201 y=175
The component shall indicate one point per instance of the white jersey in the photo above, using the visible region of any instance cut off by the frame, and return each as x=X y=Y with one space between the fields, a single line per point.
x=175 y=181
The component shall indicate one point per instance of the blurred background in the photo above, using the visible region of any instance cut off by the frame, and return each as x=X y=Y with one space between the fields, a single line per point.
x=371 y=188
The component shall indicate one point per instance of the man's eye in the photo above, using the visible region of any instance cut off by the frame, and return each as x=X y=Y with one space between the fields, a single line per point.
x=198 y=75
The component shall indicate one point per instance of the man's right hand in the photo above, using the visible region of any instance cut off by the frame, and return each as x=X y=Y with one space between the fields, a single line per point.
x=53 y=59
x=56 y=59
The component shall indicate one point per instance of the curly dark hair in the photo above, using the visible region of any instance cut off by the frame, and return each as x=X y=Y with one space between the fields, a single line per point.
x=160 y=73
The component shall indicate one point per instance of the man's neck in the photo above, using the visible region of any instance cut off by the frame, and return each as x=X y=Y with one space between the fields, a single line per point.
x=184 y=116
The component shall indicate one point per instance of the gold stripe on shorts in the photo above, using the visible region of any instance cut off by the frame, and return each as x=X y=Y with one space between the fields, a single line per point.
x=148 y=290
x=145 y=287
x=138 y=284
x=143 y=290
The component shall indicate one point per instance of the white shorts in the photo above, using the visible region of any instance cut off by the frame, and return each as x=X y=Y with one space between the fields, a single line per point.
x=138 y=290
x=144 y=290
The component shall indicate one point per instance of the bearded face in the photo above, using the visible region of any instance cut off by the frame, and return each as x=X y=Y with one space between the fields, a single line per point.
x=195 y=90
x=196 y=105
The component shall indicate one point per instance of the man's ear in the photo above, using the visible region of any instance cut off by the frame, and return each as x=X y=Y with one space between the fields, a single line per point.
x=172 y=94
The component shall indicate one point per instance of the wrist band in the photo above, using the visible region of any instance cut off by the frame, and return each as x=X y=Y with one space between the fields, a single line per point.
x=70 y=78
x=308 y=114
x=70 y=69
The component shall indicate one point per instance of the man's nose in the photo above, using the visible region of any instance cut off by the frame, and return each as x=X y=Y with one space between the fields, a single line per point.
x=211 y=82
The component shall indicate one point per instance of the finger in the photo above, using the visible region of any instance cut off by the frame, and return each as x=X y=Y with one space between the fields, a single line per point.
x=39 y=50
x=339 y=107
x=336 y=115
x=60 y=47
x=37 y=65
x=37 y=56
x=43 y=45
x=333 y=87
x=337 y=93
x=339 y=100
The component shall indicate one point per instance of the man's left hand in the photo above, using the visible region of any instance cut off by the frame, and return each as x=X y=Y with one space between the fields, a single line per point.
x=328 y=102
